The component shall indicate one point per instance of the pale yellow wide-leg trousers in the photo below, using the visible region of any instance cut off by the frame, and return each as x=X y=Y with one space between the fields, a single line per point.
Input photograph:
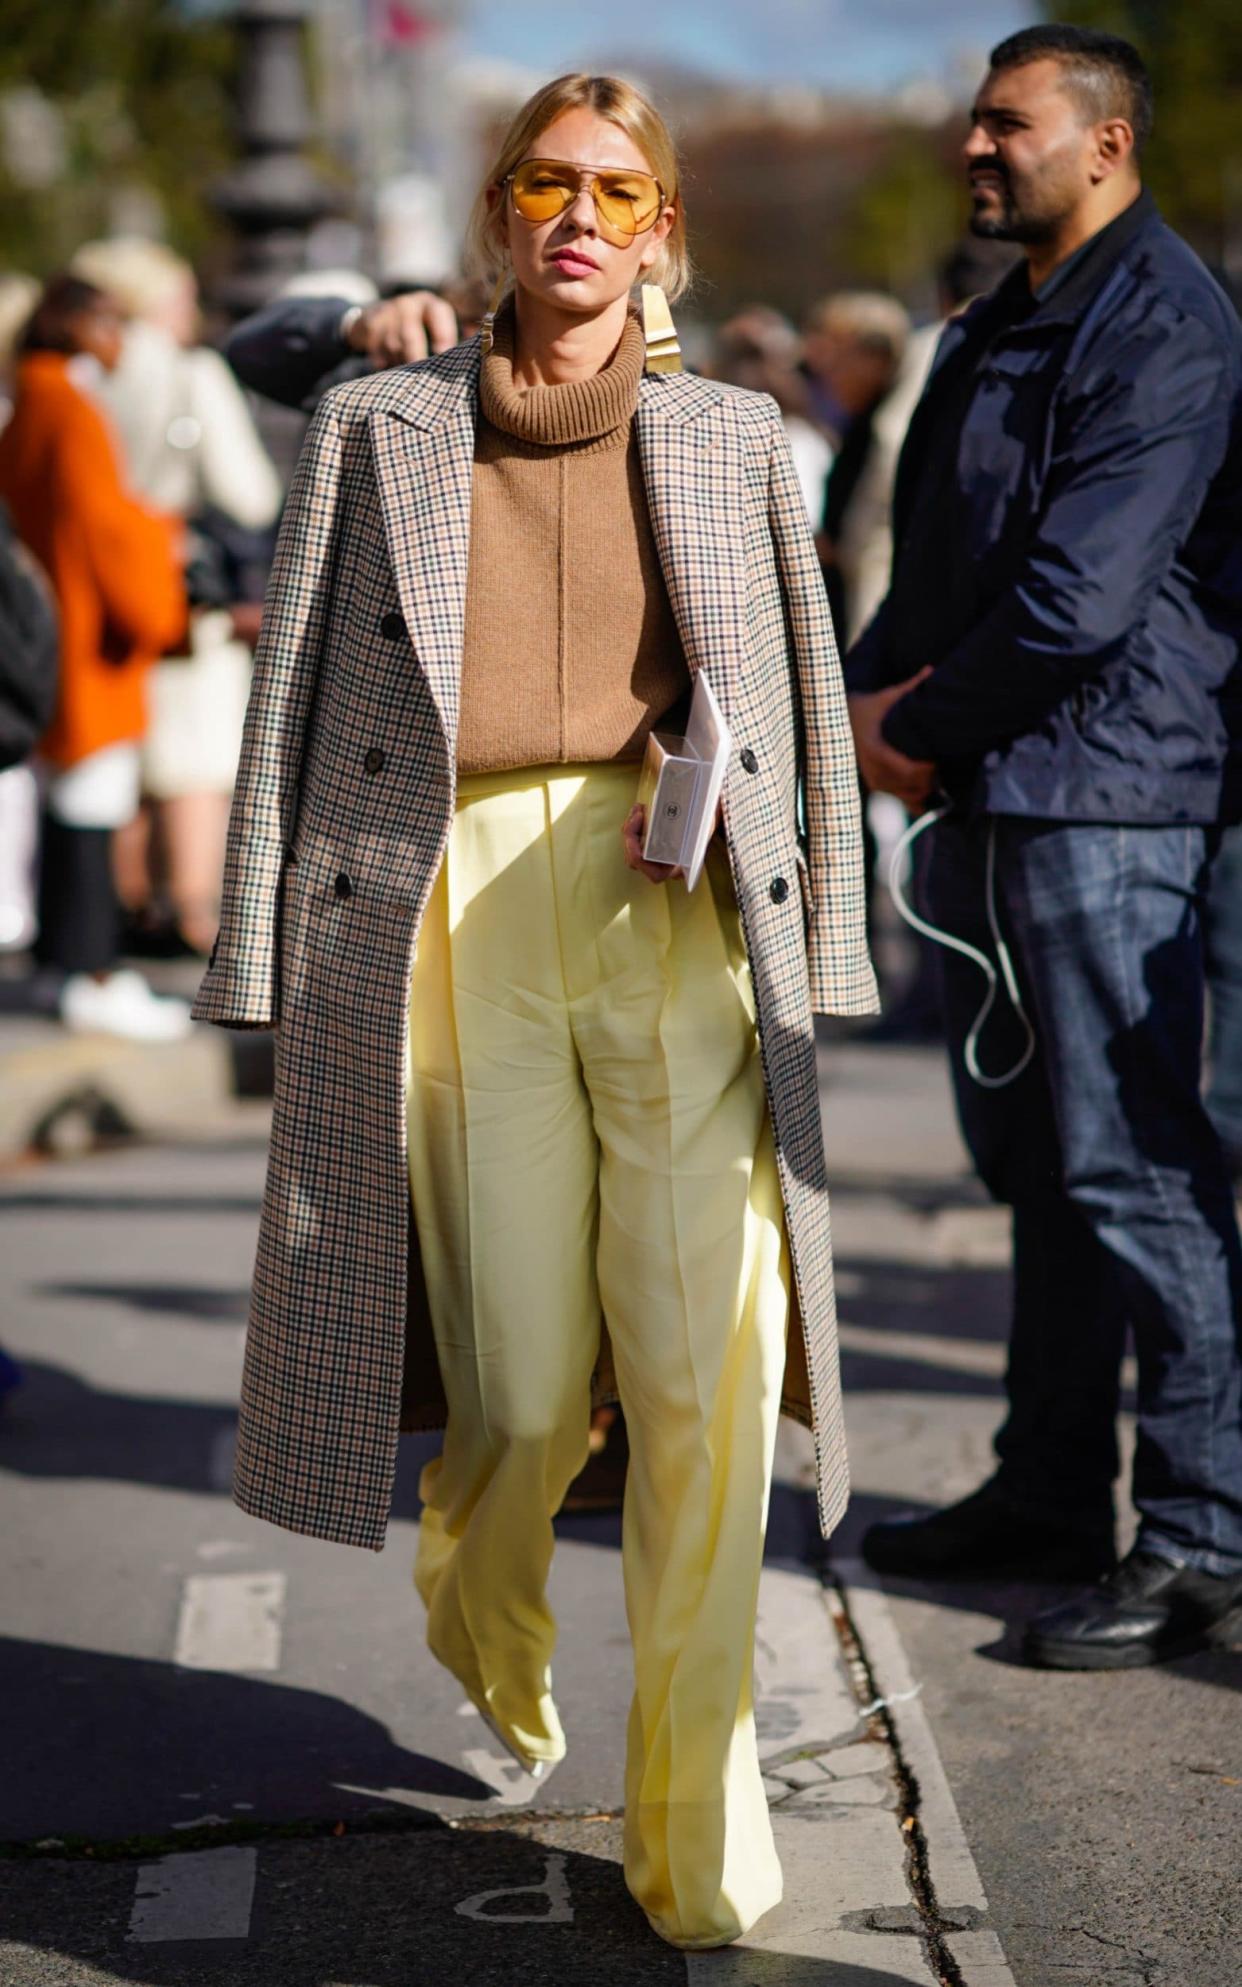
x=589 y=1132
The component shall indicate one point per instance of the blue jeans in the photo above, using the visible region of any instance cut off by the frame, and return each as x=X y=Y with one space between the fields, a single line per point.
x=1223 y=931
x=1123 y=1215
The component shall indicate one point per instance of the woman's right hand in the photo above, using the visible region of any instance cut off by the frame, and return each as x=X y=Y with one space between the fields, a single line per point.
x=632 y=842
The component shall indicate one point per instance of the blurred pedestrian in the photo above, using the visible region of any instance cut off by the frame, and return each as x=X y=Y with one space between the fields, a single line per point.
x=28 y=674
x=861 y=534
x=855 y=344
x=27 y=667
x=1060 y=653
x=760 y=351
x=192 y=450
x=18 y=296
x=113 y=569
x=488 y=567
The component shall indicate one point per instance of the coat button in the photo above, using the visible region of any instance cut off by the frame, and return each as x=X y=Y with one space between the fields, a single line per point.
x=343 y=886
x=749 y=761
x=778 y=889
x=374 y=761
x=392 y=627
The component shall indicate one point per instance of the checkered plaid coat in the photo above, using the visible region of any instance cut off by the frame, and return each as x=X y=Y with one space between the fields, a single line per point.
x=341 y=814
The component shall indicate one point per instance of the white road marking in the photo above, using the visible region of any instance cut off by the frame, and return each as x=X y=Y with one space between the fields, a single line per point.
x=555 y=1887
x=208 y=1896
x=231 y=1621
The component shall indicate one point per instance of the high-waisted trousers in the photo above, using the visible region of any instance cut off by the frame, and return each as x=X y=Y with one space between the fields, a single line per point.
x=588 y=1135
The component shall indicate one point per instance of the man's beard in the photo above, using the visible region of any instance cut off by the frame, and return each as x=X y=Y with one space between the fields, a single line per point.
x=1011 y=224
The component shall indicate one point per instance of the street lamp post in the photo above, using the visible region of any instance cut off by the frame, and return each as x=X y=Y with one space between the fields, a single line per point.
x=274 y=196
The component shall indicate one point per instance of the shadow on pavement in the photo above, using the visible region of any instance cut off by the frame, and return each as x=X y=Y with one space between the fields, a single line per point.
x=884 y=1373
x=189 y=1300
x=523 y=1905
x=127 y=1747
x=954 y=1301
x=18 y=1206
x=916 y=1193
x=57 y=1425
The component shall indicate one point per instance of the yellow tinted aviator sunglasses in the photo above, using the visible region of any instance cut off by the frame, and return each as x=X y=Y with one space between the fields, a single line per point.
x=626 y=203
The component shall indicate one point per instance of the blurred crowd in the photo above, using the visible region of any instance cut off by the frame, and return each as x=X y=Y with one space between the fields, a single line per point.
x=134 y=478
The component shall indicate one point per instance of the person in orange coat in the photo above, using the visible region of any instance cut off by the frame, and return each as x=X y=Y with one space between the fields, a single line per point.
x=114 y=569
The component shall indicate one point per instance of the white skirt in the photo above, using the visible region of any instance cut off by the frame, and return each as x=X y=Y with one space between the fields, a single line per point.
x=197 y=705
x=100 y=791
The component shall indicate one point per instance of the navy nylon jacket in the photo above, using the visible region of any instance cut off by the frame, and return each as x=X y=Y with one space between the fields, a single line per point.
x=1068 y=527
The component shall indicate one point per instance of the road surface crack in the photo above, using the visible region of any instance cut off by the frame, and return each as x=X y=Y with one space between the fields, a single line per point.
x=933 y=1928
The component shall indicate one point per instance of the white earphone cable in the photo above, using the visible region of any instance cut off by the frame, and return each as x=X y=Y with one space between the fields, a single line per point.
x=906 y=910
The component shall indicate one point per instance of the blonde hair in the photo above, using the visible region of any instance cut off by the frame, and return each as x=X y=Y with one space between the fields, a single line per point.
x=621 y=104
x=141 y=276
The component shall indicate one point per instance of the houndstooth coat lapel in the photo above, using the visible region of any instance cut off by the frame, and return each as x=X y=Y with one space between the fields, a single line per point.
x=693 y=474
x=424 y=459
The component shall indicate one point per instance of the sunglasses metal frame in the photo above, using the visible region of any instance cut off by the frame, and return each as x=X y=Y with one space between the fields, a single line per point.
x=590 y=177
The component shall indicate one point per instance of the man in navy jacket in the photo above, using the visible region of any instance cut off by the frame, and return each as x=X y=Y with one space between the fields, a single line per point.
x=1060 y=659
x=293 y=350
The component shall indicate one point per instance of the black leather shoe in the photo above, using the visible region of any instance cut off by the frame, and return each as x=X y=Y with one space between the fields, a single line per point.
x=986 y=1535
x=1147 y=1611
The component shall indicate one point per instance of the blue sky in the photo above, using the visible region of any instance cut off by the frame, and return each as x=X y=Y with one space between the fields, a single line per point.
x=851 y=44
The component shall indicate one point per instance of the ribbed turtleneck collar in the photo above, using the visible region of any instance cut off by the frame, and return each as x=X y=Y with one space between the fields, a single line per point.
x=581 y=413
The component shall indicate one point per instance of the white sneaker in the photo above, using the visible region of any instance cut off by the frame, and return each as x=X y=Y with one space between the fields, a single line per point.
x=124 y=1005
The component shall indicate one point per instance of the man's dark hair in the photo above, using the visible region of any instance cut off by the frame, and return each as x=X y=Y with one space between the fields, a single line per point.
x=1106 y=75
x=52 y=325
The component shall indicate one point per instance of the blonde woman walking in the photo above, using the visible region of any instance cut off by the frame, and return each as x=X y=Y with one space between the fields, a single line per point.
x=546 y=1122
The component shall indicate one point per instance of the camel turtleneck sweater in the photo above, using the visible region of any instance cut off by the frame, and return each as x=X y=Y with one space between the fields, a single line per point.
x=571 y=652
